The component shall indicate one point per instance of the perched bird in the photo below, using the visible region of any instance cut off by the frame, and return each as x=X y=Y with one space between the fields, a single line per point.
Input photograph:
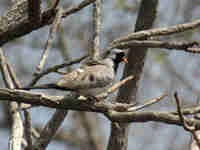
x=92 y=78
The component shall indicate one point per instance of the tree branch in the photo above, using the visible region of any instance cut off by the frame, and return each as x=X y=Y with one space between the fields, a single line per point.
x=15 y=22
x=16 y=137
x=109 y=109
x=127 y=94
x=180 y=46
x=34 y=11
x=52 y=31
x=158 y=32
x=95 y=50
x=55 y=68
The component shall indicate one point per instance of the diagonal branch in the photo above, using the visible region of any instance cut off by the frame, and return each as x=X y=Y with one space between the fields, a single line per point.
x=158 y=32
x=49 y=42
x=15 y=26
x=50 y=130
x=153 y=101
x=55 y=68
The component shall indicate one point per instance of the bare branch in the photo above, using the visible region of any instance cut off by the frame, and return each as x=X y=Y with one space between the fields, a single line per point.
x=153 y=101
x=16 y=137
x=127 y=94
x=146 y=116
x=28 y=130
x=49 y=130
x=158 y=32
x=191 y=128
x=95 y=50
x=92 y=130
x=16 y=83
x=58 y=117
x=109 y=109
x=54 y=69
x=49 y=42
x=181 y=46
x=60 y=102
x=14 y=26
x=115 y=87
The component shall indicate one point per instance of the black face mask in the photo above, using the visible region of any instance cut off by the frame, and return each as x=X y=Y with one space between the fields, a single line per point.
x=118 y=58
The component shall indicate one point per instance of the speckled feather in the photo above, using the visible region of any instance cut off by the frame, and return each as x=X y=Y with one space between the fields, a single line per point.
x=92 y=79
x=95 y=76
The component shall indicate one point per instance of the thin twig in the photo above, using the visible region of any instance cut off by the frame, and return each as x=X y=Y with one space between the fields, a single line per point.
x=74 y=9
x=95 y=50
x=52 y=31
x=12 y=75
x=119 y=84
x=179 y=108
x=28 y=130
x=38 y=76
x=149 y=103
x=4 y=71
x=115 y=87
x=191 y=128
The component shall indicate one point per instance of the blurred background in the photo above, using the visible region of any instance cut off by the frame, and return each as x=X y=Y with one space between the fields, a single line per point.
x=165 y=71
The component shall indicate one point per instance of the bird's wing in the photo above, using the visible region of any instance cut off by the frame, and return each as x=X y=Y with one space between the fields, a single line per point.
x=95 y=76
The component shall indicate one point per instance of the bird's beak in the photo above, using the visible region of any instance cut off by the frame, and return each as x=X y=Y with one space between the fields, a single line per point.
x=125 y=60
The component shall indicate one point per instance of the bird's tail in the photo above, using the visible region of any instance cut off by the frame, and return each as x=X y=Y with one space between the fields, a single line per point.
x=45 y=86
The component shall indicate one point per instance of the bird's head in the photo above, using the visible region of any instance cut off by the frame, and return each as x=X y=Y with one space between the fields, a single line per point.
x=117 y=56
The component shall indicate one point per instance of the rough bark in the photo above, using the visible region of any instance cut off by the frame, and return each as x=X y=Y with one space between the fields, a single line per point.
x=127 y=94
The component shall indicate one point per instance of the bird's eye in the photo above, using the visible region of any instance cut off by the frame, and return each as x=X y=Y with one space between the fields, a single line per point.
x=91 y=78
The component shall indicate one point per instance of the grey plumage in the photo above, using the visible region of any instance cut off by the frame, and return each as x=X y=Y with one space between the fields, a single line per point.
x=91 y=79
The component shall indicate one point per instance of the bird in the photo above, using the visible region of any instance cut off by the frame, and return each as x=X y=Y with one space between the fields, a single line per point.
x=93 y=78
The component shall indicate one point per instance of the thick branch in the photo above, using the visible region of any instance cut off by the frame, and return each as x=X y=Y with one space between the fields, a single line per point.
x=50 y=130
x=159 y=32
x=15 y=22
x=147 y=116
x=60 y=102
x=181 y=46
x=34 y=11
x=110 y=110
x=127 y=94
